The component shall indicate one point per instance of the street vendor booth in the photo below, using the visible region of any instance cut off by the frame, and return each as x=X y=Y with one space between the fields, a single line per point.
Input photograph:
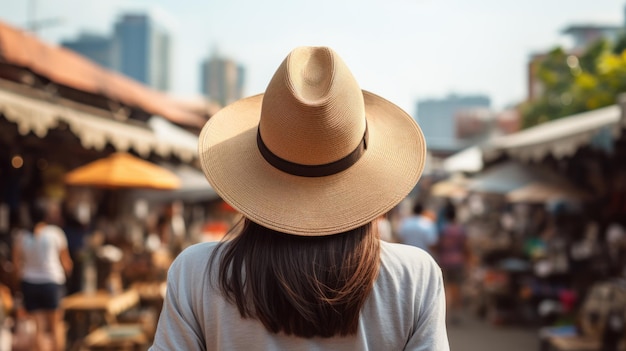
x=575 y=254
x=61 y=113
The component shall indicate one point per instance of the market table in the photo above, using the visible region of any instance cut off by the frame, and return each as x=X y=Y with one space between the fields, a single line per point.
x=87 y=311
x=150 y=291
x=111 y=305
x=568 y=338
x=151 y=296
x=576 y=343
x=116 y=337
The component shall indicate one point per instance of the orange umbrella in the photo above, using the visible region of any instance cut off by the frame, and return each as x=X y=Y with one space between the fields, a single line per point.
x=122 y=170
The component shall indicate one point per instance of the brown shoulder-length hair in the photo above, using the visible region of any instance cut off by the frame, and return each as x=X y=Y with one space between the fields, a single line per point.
x=305 y=286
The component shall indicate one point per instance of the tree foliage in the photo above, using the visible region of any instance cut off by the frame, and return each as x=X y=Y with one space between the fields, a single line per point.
x=572 y=84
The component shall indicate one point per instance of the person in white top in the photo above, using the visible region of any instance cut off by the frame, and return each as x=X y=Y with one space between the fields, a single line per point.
x=310 y=164
x=418 y=230
x=42 y=261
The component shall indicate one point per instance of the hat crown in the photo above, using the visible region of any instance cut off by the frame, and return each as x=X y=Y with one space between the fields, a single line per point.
x=313 y=112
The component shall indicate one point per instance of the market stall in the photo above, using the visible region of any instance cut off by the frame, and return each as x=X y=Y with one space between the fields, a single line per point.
x=572 y=227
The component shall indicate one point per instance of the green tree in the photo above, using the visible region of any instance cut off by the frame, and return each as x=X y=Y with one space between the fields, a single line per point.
x=573 y=84
x=620 y=44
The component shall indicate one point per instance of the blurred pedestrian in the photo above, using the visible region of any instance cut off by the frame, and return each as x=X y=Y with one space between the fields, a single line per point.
x=6 y=309
x=310 y=164
x=418 y=230
x=42 y=262
x=172 y=228
x=454 y=257
x=76 y=232
x=441 y=214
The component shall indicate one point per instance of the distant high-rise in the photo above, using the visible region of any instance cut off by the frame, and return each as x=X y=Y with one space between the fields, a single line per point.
x=95 y=47
x=144 y=49
x=222 y=79
x=439 y=120
x=140 y=48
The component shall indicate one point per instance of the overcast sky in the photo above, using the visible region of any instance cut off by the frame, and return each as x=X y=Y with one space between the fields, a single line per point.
x=403 y=50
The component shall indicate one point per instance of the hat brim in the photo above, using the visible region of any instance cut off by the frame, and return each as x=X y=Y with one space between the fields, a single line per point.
x=312 y=206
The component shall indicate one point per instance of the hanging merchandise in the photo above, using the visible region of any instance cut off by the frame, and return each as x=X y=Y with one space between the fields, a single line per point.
x=603 y=313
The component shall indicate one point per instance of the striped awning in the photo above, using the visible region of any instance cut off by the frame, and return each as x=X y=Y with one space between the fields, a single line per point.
x=559 y=138
x=95 y=132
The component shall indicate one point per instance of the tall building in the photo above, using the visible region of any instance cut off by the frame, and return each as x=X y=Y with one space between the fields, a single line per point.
x=143 y=50
x=95 y=47
x=140 y=48
x=443 y=121
x=222 y=79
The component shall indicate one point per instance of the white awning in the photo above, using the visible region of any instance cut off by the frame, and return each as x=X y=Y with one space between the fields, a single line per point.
x=505 y=177
x=39 y=116
x=167 y=131
x=559 y=138
x=194 y=187
x=468 y=160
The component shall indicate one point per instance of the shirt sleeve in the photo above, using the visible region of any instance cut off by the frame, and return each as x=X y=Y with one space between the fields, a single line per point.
x=430 y=333
x=178 y=328
x=59 y=237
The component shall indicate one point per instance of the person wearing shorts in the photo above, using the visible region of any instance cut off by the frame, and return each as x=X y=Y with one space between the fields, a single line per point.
x=42 y=261
x=44 y=296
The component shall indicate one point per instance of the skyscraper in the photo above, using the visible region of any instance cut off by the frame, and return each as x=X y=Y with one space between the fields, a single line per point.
x=222 y=79
x=140 y=48
x=96 y=47
x=143 y=50
x=438 y=119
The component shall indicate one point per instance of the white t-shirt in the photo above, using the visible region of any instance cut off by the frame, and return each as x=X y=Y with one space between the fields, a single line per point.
x=405 y=310
x=41 y=255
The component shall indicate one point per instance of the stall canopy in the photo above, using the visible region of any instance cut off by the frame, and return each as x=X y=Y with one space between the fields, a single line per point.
x=559 y=138
x=510 y=176
x=172 y=134
x=542 y=192
x=469 y=160
x=193 y=187
x=39 y=116
x=502 y=178
x=453 y=187
x=122 y=170
x=67 y=68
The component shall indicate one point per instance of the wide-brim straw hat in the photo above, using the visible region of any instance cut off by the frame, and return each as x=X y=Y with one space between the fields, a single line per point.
x=314 y=155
